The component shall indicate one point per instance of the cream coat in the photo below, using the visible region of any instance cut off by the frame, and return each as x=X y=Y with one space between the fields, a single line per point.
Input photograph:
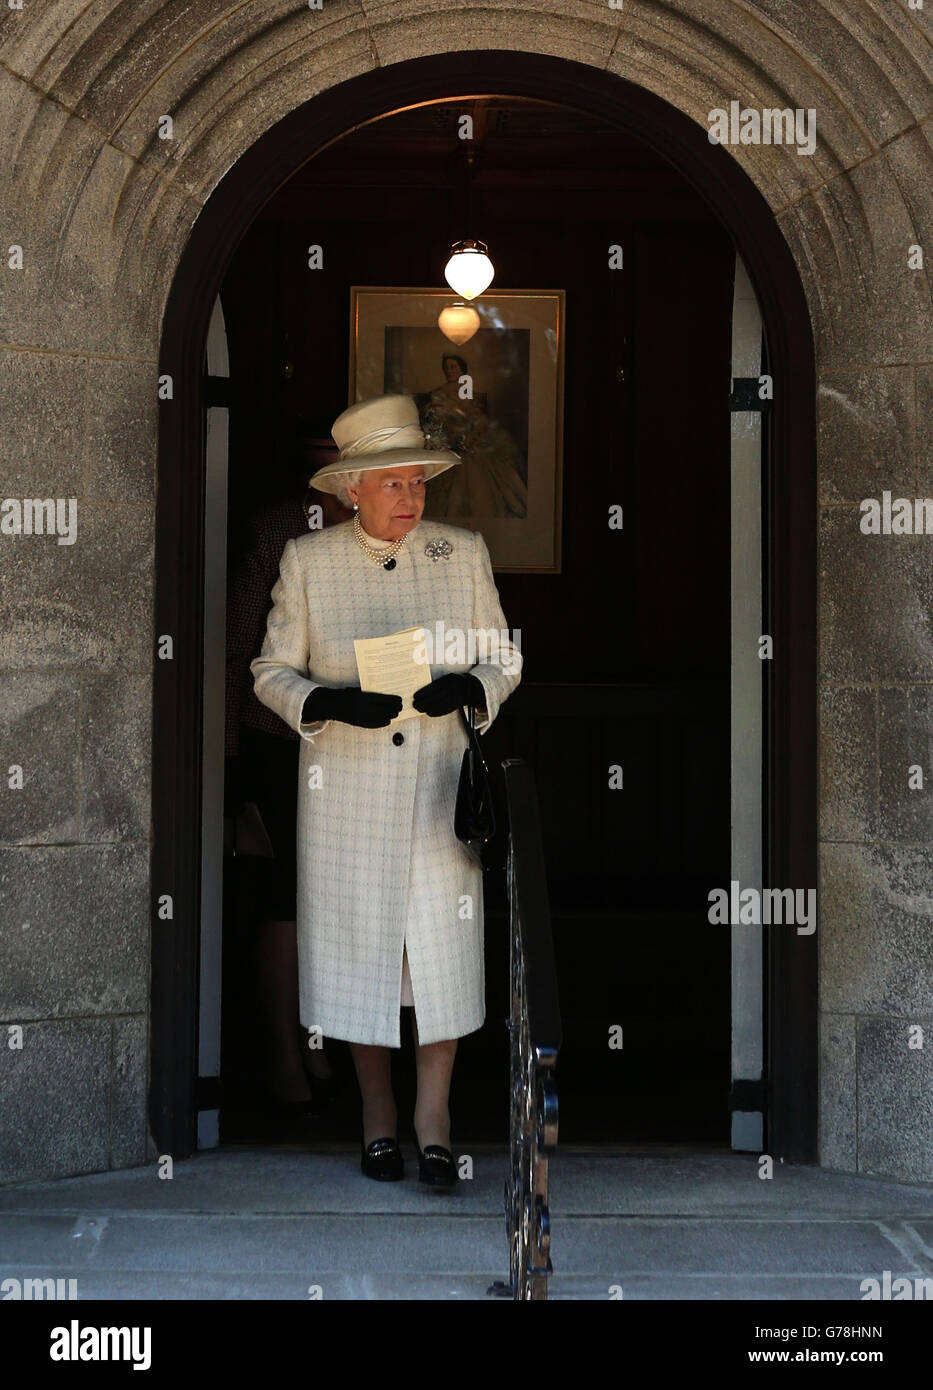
x=379 y=866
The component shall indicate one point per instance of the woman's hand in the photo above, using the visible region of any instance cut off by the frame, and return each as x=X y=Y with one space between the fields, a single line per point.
x=448 y=693
x=364 y=709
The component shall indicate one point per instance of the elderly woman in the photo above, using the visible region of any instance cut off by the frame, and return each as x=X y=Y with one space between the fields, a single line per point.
x=390 y=903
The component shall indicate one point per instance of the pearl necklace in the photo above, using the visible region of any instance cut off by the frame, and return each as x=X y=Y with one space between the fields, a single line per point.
x=378 y=555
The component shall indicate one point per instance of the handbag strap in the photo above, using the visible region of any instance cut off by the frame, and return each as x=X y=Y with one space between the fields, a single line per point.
x=473 y=736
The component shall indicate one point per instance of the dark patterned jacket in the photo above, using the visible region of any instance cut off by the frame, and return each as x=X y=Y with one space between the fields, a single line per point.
x=248 y=602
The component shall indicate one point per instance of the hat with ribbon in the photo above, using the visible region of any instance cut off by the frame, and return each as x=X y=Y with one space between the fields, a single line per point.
x=384 y=432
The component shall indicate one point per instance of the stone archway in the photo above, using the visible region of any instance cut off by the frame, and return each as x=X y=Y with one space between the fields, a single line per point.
x=103 y=209
x=178 y=683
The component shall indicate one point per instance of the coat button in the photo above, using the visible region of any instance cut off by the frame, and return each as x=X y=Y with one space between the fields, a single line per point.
x=398 y=740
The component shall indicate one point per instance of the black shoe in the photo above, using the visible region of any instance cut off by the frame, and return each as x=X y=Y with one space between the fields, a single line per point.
x=436 y=1167
x=382 y=1160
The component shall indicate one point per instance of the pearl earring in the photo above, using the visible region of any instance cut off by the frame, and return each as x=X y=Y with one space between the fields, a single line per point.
x=355 y=507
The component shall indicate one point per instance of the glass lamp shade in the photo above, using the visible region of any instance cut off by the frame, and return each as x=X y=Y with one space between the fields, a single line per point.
x=469 y=270
x=458 y=322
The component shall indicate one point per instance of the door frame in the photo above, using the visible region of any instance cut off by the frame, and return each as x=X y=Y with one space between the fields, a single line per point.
x=790 y=772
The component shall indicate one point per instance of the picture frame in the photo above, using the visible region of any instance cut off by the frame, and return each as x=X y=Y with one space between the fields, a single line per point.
x=495 y=399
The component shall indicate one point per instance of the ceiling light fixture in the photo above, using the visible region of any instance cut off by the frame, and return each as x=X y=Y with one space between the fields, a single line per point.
x=458 y=322
x=469 y=270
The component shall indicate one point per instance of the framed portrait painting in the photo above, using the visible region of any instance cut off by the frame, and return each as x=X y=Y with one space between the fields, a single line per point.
x=489 y=386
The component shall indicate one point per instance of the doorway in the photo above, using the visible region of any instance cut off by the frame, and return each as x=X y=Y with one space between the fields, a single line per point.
x=653 y=691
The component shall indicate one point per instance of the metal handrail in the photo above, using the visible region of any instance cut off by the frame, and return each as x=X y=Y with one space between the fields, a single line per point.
x=535 y=1038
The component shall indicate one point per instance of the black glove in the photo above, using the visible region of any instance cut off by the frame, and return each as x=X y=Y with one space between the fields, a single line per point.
x=365 y=709
x=448 y=693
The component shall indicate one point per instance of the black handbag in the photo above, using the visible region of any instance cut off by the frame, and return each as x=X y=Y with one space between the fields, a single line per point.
x=474 y=814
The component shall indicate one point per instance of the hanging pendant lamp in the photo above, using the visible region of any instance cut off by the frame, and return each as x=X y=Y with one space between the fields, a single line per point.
x=469 y=270
x=458 y=322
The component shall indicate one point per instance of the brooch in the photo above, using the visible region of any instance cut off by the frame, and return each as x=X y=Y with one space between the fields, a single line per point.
x=435 y=549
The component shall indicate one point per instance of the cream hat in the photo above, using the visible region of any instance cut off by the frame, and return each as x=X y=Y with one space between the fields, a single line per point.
x=380 y=433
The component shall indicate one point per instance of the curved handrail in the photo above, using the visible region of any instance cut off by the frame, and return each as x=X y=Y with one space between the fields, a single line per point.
x=535 y=1039
x=533 y=905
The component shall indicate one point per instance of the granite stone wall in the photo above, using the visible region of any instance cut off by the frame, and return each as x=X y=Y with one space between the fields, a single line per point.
x=100 y=208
